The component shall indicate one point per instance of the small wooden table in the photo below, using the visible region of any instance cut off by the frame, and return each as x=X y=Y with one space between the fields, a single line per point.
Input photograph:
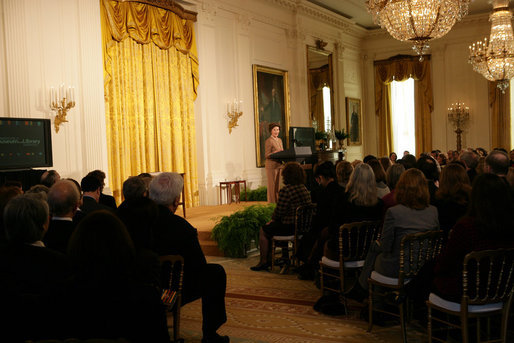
x=227 y=185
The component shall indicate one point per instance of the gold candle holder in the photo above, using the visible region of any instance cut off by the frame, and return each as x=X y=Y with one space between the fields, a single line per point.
x=61 y=101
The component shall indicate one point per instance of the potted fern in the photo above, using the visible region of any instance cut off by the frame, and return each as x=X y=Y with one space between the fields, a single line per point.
x=341 y=135
x=321 y=139
x=234 y=233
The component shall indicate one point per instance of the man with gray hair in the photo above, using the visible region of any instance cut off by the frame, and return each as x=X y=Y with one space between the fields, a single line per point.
x=63 y=199
x=174 y=235
x=470 y=159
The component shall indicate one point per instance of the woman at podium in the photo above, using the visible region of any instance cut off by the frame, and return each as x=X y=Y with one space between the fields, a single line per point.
x=272 y=145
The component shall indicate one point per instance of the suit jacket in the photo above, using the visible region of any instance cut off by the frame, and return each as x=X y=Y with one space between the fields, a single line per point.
x=107 y=200
x=90 y=205
x=175 y=236
x=58 y=234
x=400 y=221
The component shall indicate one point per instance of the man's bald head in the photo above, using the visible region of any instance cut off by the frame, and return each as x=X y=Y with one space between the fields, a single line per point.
x=63 y=199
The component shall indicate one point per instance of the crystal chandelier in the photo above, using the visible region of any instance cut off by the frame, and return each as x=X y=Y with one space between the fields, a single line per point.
x=494 y=59
x=417 y=21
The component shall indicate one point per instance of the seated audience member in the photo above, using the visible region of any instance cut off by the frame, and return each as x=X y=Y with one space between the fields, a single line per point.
x=368 y=158
x=50 y=177
x=41 y=190
x=412 y=214
x=452 y=197
x=359 y=203
x=91 y=188
x=392 y=176
x=393 y=157
x=292 y=195
x=497 y=162
x=139 y=214
x=28 y=270
x=103 y=298
x=107 y=200
x=147 y=178
x=406 y=152
x=78 y=214
x=134 y=187
x=441 y=159
x=63 y=199
x=325 y=175
x=429 y=168
x=385 y=162
x=408 y=161
x=6 y=194
x=511 y=156
x=470 y=159
x=510 y=177
x=380 y=178
x=481 y=152
x=488 y=225
x=343 y=171
x=174 y=235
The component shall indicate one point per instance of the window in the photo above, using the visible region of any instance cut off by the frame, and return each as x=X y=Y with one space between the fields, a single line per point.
x=402 y=116
x=327 y=109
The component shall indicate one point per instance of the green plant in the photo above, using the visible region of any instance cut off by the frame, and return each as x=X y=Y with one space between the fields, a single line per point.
x=234 y=233
x=258 y=194
x=341 y=134
x=320 y=135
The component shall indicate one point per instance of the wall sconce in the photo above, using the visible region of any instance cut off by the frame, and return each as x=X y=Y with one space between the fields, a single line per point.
x=61 y=101
x=458 y=116
x=234 y=111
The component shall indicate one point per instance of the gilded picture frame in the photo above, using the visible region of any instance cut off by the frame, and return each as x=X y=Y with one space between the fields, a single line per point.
x=271 y=104
x=354 y=121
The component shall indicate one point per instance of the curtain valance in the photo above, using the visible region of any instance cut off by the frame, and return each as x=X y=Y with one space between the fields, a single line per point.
x=144 y=24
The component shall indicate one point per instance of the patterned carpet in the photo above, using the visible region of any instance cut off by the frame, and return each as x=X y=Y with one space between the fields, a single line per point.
x=269 y=307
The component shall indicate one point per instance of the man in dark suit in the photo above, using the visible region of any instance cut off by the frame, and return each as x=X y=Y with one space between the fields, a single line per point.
x=174 y=235
x=63 y=199
x=91 y=188
x=107 y=200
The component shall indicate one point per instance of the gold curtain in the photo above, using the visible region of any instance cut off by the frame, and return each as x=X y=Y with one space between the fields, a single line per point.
x=400 y=69
x=151 y=77
x=499 y=109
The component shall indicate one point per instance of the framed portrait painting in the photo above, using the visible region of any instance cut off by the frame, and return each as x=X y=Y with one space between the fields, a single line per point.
x=354 y=121
x=271 y=105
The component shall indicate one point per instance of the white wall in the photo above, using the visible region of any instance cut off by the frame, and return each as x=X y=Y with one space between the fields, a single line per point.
x=232 y=35
x=453 y=81
x=44 y=43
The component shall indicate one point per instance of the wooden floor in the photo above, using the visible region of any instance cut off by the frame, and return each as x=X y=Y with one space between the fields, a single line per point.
x=203 y=218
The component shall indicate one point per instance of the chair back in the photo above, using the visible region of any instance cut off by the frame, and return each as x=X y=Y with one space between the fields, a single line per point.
x=488 y=276
x=355 y=240
x=303 y=218
x=172 y=274
x=416 y=249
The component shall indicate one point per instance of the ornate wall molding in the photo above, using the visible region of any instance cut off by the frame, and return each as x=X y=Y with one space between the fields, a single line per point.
x=169 y=5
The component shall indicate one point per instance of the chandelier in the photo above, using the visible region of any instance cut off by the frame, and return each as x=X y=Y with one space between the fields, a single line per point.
x=494 y=59
x=417 y=21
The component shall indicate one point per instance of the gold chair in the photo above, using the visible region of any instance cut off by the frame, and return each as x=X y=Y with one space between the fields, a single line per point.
x=355 y=239
x=172 y=267
x=302 y=224
x=487 y=291
x=415 y=250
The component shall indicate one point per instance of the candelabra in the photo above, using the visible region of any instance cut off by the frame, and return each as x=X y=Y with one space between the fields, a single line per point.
x=61 y=102
x=234 y=111
x=458 y=116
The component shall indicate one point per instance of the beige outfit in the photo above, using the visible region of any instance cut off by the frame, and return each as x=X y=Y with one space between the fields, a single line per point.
x=271 y=146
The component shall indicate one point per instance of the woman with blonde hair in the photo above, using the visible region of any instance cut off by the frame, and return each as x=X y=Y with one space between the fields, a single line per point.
x=359 y=203
x=412 y=214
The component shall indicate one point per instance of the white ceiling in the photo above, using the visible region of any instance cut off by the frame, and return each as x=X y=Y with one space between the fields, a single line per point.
x=356 y=9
